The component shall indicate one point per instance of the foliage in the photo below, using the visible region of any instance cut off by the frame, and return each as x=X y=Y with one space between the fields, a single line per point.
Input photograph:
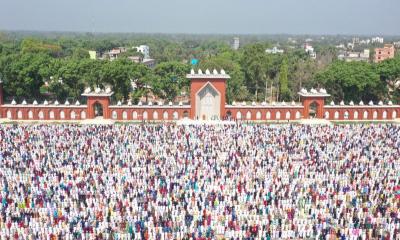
x=283 y=82
x=352 y=81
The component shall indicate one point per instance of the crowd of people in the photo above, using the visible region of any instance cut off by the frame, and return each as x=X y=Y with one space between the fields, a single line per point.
x=200 y=182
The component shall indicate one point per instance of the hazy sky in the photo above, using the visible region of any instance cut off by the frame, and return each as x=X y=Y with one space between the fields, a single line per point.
x=204 y=16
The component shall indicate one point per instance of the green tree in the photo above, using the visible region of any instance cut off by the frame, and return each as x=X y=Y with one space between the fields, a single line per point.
x=283 y=82
x=170 y=79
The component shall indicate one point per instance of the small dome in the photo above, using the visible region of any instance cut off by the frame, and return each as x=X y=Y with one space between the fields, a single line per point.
x=322 y=90
x=332 y=103
x=263 y=103
x=303 y=90
x=342 y=103
x=223 y=72
x=98 y=90
x=140 y=103
x=46 y=102
x=390 y=103
x=13 y=102
x=313 y=91
x=199 y=71
x=180 y=103
x=380 y=103
x=253 y=103
x=108 y=90
x=215 y=72
x=274 y=103
x=351 y=103
x=129 y=103
x=67 y=102
x=371 y=103
x=208 y=72
x=160 y=103
x=150 y=103
x=361 y=103
x=87 y=90
x=170 y=103
x=56 y=103
x=233 y=103
x=24 y=102
x=35 y=102
x=192 y=71
x=77 y=103
x=283 y=103
x=244 y=103
x=293 y=103
x=119 y=103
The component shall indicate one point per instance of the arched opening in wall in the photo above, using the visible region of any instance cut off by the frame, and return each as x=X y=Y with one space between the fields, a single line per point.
x=41 y=115
x=98 y=110
x=238 y=115
x=175 y=115
x=336 y=116
x=346 y=115
x=326 y=115
x=384 y=114
x=155 y=115
x=355 y=116
x=229 y=115
x=145 y=115
x=248 y=115
x=19 y=115
x=278 y=115
x=83 y=115
x=365 y=116
x=124 y=115
x=268 y=115
x=114 y=115
x=51 y=115
x=298 y=115
x=287 y=115
x=134 y=115
x=73 y=115
x=313 y=110
x=185 y=114
x=30 y=114
x=165 y=115
x=375 y=115
x=258 y=115
x=62 y=115
x=394 y=114
x=9 y=114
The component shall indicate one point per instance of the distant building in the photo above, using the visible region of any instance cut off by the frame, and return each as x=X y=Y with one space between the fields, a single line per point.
x=113 y=53
x=310 y=50
x=355 y=56
x=274 y=50
x=377 y=40
x=93 y=54
x=397 y=44
x=139 y=59
x=145 y=50
x=387 y=52
x=236 y=43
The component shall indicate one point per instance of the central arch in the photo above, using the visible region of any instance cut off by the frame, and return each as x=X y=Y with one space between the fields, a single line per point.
x=314 y=110
x=98 y=110
x=208 y=102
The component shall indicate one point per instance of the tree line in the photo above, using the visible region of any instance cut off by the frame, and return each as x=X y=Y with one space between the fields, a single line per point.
x=35 y=68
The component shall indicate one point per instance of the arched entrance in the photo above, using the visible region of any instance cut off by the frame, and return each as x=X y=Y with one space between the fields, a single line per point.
x=98 y=110
x=208 y=102
x=313 y=110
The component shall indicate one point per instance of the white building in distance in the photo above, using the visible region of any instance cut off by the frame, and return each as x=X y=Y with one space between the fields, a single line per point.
x=236 y=43
x=145 y=50
x=274 y=50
